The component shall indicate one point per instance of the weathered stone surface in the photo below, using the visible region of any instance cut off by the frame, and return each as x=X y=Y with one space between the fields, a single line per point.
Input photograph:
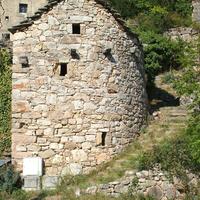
x=186 y=34
x=23 y=139
x=72 y=169
x=170 y=191
x=50 y=182
x=21 y=149
x=79 y=155
x=155 y=192
x=47 y=154
x=164 y=189
x=32 y=183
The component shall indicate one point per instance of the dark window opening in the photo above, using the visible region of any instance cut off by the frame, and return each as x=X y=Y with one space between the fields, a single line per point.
x=108 y=54
x=23 y=8
x=21 y=125
x=6 y=36
x=76 y=28
x=103 y=138
x=25 y=65
x=23 y=60
x=63 y=69
x=6 y=18
x=75 y=54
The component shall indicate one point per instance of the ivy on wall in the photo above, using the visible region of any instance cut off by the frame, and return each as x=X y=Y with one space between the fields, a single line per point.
x=5 y=100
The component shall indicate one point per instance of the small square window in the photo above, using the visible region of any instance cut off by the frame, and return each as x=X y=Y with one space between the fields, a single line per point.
x=23 y=8
x=63 y=69
x=76 y=28
x=23 y=60
x=6 y=36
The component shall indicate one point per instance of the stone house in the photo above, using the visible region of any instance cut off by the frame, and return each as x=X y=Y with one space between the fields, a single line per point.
x=15 y=11
x=78 y=83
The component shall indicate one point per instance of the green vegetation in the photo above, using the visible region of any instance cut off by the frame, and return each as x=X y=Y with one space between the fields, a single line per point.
x=9 y=179
x=71 y=196
x=5 y=100
x=188 y=82
x=158 y=15
x=161 y=54
x=182 y=153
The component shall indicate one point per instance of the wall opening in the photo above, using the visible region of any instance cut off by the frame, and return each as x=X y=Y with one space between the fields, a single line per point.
x=23 y=8
x=25 y=65
x=74 y=54
x=103 y=138
x=6 y=36
x=24 y=61
x=7 y=18
x=63 y=69
x=76 y=28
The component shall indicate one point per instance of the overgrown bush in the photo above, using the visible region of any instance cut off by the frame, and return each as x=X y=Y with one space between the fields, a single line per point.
x=173 y=156
x=178 y=155
x=188 y=82
x=161 y=54
x=193 y=138
x=157 y=14
x=9 y=179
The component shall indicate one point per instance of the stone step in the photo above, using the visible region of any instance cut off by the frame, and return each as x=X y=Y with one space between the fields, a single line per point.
x=180 y=107
x=175 y=119
x=174 y=113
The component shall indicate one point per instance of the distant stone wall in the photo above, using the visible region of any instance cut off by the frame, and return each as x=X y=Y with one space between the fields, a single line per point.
x=184 y=33
x=77 y=121
x=154 y=183
x=196 y=10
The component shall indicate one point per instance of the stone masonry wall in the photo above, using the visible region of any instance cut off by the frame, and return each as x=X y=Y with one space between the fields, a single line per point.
x=154 y=183
x=64 y=119
x=184 y=33
x=196 y=10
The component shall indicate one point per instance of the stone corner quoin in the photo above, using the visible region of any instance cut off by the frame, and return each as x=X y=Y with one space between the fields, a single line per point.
x=78 y=88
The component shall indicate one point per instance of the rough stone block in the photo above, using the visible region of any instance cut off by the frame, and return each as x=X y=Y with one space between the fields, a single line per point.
x=32 y=183
x=49 y=182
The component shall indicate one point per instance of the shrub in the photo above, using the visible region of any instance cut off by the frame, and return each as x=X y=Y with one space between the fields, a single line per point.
x=9 y=179
x=161 y=54
x=169 y=78
x=173 y=156
x=20 y=195
x=187 y=82
x=155 y=15
x=193 y=137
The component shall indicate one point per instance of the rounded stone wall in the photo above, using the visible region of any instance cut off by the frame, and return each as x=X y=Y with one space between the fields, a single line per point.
x=78 y=88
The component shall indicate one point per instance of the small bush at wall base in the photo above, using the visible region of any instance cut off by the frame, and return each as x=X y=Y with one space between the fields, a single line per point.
x=20 y=195
x=9 y=179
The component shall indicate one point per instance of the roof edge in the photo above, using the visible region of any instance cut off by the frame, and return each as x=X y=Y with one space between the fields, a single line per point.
x=23 y=25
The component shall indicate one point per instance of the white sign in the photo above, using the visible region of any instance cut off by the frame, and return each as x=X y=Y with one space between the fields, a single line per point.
x=32 y=166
